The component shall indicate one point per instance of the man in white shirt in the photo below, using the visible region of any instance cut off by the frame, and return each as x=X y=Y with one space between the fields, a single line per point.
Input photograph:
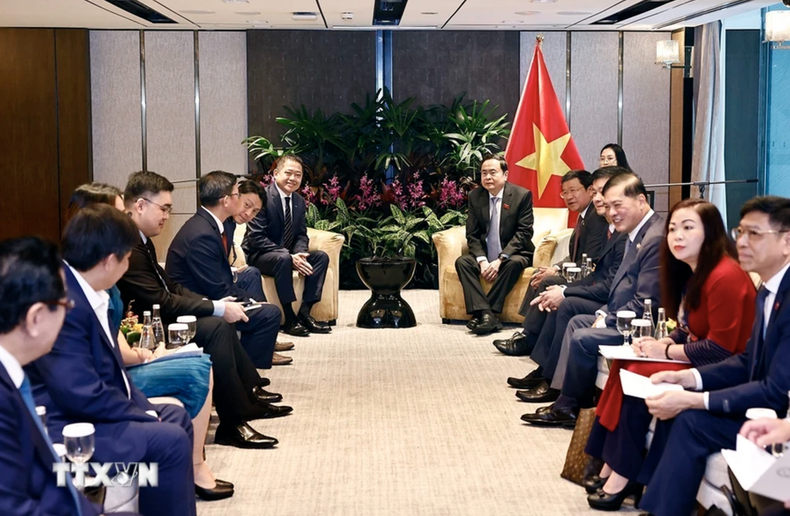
x=83 y=379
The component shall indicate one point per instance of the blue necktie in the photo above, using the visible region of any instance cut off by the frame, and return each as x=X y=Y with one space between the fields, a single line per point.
x=493 y=244
x=27 y=395
x=762 y=295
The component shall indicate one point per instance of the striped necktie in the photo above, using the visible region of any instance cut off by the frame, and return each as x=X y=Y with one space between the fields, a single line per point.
x=288 y=231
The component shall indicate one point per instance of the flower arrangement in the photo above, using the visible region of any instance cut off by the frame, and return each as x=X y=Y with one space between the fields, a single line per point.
x=130 y=326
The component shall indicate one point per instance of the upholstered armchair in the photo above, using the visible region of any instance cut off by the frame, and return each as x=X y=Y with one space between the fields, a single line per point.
x=551 y=238
x=331 y=244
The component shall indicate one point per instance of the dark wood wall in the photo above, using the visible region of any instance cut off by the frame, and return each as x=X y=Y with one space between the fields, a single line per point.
x=44 y=127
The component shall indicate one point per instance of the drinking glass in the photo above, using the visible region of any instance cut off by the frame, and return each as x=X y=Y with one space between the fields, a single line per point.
x=624 y=318
x=191 y=322
x=178 y=335
x=574 y=274
x=235 y=272
x=641 y=328
x=78 y=438
x=565 y=267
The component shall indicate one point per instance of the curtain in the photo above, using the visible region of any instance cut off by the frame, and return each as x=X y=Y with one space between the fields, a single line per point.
x=708 y=144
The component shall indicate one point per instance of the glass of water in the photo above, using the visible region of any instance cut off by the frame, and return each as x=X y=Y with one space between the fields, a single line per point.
x=191 y=322
x=178 y=335
x=565 y=267
x=235 y=272
x=624 y=319
x=573 y=274
x=78 y=438
x=641 y=328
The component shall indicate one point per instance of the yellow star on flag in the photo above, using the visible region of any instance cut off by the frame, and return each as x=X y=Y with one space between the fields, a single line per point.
x=547 y=158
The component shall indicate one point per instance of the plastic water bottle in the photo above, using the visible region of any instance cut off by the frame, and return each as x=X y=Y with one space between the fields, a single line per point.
x=147 y=336
x=590 y=267
x=661 y=327
x=158 y=327
x=584 y=266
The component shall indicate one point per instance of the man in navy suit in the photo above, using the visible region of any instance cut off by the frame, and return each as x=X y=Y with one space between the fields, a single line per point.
x=198 y=260
x=636 y=279
x=710 y=412
x=276 y=243
x=83 y=378
x=32 y=310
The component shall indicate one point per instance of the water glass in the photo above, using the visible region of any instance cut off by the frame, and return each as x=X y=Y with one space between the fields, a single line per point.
x=191 y=322
x=565 y=267
x=177 y=335
x=641 y=328
x=235 y=272
x=574 y=274
x=624 y=319
x=78 y=438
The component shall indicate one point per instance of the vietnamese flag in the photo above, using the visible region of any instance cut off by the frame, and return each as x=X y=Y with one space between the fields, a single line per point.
x=540 y=150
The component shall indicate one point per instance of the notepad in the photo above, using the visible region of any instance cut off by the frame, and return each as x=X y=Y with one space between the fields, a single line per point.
x=640 y=386
x=627 y=353
x=758 y=471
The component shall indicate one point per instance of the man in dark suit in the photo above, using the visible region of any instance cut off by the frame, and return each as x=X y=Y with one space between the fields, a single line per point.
x=553 y=308
x=499 y=237
x=589 y=237
x=636 y=280
x=238 y=388
x=198 y=261
x=710 y=412
x=83 y=378
x=31 y=315
x=276 y=243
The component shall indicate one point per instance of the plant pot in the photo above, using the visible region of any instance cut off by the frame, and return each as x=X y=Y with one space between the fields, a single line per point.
x=386 y=277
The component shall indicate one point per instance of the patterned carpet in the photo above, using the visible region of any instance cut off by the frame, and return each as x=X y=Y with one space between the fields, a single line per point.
x=403 y=422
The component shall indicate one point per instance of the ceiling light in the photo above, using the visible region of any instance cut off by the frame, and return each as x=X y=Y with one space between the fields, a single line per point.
x=527 y=13
x=348 y=15
x=543 y=1
x=304 y=16
x=247 y=13
x=429 y=13
x=196 y=11
x=511 y=22
x=258 y=22
x=236 y=1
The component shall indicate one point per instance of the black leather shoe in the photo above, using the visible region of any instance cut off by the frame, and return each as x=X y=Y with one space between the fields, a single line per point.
x=533 y=379
x=314 y=326
x=296 y=329
x=218 y=492
x=264 y=382
x=473 y=322
x=515 y=346
x=488 y=324
x=541 y=393
x=224 y=483
x=593 y=483
x=242 y=436
x=265 y=410
x=265 y=396
x=552 y=417
x=603 y=501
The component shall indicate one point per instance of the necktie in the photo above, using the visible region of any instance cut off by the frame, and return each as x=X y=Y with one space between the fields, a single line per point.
x=762 y=295
x=27 y=396
x=608 y=234
x=149 y=245
x=627 y=246
x=493 y=245
x=288 y=231
x=225 y=242
x=575 y=250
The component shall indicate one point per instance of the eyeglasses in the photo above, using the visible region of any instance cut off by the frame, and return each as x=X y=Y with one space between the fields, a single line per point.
x=753 y=235
x=68 y=304
x=237 y=194
x=568 y=193
x=165 y=209
x=606 y=160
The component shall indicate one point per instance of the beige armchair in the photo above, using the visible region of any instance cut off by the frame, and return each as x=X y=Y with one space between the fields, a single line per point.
x=551 y=238
x=326 y=241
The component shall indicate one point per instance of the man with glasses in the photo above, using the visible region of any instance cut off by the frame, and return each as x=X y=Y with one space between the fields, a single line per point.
x=707 y=415
x=499 y=235
x=198 y=260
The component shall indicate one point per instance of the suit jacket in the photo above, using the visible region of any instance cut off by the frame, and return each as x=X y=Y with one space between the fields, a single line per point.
x=596 y=286
x=591 y=230
x=760 y=376
x=637 y=277
x=81 y=379
x=198 y=260
x=515 y=221
x=265 y=232
x=29 y=486
x=142 y=285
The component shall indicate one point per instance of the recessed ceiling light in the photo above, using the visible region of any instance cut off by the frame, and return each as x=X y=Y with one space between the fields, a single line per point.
x=527 y=13
x=304 y=16
x=574 y=13
x=543 y=1
x=247 y=13
x=236 y=1
x=429 y=13
x=196 y=11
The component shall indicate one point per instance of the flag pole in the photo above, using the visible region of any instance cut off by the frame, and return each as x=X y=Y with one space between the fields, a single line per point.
x=539 y=40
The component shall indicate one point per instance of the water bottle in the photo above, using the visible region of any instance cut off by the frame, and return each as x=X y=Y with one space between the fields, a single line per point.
x=41 y=412
x=661 y=327
x=648 y=314
x=147 y=336
x=584 y=261
x=590 y=267
x=158 y=327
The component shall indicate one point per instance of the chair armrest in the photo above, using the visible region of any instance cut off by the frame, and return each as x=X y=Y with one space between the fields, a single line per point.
x=563 y=239
x=544 y=252
x=328 y=242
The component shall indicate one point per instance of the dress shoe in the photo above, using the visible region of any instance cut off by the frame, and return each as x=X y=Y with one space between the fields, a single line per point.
x=488 y=324
x=264 y=410
x=603 y=501
x=224 y=483
x=541 y=393
x=218 y=492
x=553 y=417
x=283 y=346
x=266 y=396
x=314 y=326
x=533 y=379
x=278 y=359
x=593 y=483
x=295 y=329
x=242 y=436
x=515 y=346
x=473 y=322
x=264 y=382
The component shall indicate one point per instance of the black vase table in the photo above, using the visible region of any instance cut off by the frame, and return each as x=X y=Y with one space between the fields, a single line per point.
x=386 y=277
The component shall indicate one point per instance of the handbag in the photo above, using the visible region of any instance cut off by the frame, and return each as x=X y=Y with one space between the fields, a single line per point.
x=579 y=465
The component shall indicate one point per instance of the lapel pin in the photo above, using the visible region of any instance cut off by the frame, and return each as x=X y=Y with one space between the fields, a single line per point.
x=776 y=306
x=638 y=246
x=506 y=206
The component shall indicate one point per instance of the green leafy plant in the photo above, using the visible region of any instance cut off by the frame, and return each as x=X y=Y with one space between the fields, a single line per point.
x=474 y=135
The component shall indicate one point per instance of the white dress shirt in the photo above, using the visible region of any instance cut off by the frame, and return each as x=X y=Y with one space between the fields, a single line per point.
x=491 y=214
x=216 y=219
x=283 y=197
x=12 y=367
x=635 y=231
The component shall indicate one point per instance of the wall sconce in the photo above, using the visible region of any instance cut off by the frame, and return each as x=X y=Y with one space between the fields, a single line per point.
x=668 y=56
x=777 y=28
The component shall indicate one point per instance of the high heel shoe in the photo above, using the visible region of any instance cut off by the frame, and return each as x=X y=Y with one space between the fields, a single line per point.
x=218 y=492
x=604 y=501
x=593 y=483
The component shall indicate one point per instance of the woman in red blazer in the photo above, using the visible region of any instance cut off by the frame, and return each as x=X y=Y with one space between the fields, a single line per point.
x=704 y=288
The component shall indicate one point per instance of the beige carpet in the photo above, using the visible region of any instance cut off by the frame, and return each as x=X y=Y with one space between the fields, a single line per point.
x=412 y=422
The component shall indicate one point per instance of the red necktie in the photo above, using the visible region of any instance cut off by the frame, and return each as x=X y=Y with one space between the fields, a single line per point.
x=608 y=234
x=225 y=242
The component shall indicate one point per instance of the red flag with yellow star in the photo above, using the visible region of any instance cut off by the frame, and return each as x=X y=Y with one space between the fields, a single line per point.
x=540 y=150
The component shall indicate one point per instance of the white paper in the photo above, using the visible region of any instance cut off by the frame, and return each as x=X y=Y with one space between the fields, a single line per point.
x=188 y=347
x=627 y=353
x=640 y=386
x=251 y=307
x=758 y=471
